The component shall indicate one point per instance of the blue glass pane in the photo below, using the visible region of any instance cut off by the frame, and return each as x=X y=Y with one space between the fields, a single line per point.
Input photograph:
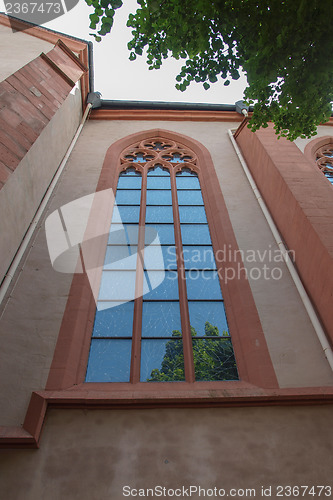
x=187 y=182
x=109 y=361
x=162 y=361
x=113 y=319
x=127 y=182
x=159 y=214
x=120 y=257
x=160 y=285
x=160 y=319
x=123 y=234
x=186 y=172
x=158 y=183
x=195 y=234
x=159 y=197
x=214 y=359
x=124 y=197
x=189 y=197
x=192 y=214
x=160 y=257
x=165 y=233
x=208 y=318
x=117 y=285
x=126 y=214
x=203 y=285
x=199 y=257
x=159 y=171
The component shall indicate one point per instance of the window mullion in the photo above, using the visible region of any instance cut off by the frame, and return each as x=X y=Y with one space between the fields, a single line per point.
x=137 y=317
x=185 y=320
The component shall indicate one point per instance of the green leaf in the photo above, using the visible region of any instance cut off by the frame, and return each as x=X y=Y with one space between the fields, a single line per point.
x=206 y=86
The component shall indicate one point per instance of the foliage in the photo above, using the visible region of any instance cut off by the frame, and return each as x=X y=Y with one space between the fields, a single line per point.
x=284 y=47
x=213 y=358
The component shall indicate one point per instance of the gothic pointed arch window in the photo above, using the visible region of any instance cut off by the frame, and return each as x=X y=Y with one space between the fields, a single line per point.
x=160 y=313
x=164 y=296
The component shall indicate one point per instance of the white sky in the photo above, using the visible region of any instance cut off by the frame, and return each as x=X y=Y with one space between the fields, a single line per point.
x=118 y=78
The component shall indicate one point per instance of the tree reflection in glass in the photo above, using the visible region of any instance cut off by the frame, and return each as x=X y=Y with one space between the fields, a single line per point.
x=213 y=357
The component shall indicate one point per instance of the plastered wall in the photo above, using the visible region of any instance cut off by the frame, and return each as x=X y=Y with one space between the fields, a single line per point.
x=93 y=455
x=27 y=47
x=32 y=315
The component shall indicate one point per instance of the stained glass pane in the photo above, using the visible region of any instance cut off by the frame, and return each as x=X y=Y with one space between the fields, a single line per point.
x=109 y=361
x=203 y=285
x=124 y=197
x=208 y=318
x=201 y=257
x=126 y=182
x=158 y=197
x=113 y=319
x=160 y=285
x=158 y=171
x=165 y=233
x=214 y=359
x=189 y=197
x=159 y=214
x=187 y=182
x=121 y=257
x=161 y=182
x=193 y=234
x=192 y=214
x=157 y=257
x=117 y=285
x=125 y=214
x=160 y=319
x=162 y=360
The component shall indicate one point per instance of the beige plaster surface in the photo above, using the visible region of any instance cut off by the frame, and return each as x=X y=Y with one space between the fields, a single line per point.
x=31 y=318
x=93 y=454
x=26 y=48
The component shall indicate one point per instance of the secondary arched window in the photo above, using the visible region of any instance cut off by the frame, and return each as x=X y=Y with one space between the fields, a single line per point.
x=160 y=312
x=324 y=160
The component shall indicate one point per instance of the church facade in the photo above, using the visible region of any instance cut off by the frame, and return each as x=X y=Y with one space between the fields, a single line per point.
x=166 y=320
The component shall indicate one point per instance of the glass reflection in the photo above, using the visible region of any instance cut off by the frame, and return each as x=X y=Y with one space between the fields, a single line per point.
x=132 y=197
x=192 y=214
x=193 y=234
x=109 y=361
x=162 y=360
x=159 y=197
x=205 y=314
x=159 y=214
x=159 y=319
x=189 y=198
x=203 y=285
x=214 y=359
x=117 y=285
x=165 y=233
x=121 y=257
x=160 y=285
x=113 y=319
x=199 y=257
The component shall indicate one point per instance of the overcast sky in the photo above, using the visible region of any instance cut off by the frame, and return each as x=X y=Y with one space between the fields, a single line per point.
x=118 y=78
